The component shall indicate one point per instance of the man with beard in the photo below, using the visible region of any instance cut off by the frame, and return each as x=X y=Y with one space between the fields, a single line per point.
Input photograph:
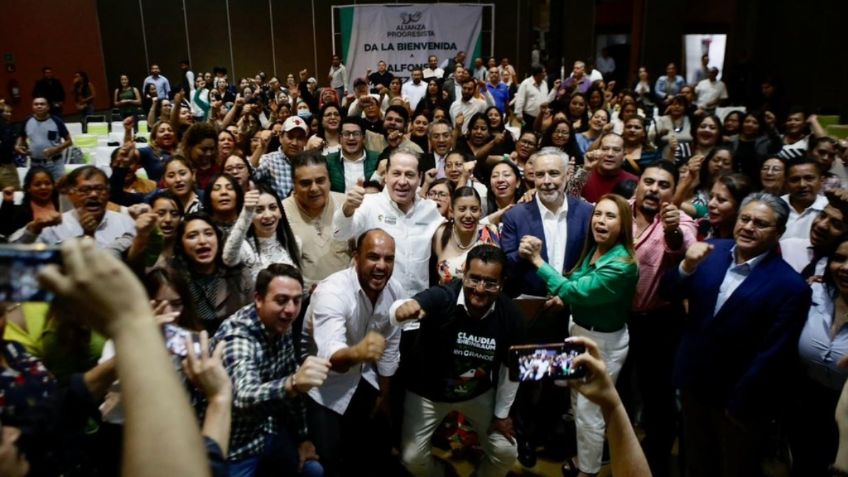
x=394 y=128
x=89 y=194
x=459 y=363
x=468 y=105
x=804 y=183
x=414 y=88
x=348 y=323
x=662 y=234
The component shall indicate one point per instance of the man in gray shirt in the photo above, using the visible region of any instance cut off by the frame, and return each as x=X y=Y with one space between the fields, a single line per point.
x=43 y=138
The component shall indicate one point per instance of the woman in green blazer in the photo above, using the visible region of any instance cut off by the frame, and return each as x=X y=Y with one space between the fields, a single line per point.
x=599 y=291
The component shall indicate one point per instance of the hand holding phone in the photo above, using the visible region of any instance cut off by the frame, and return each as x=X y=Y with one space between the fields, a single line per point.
x=19 y=269
x=176 y=340
x=545 y=361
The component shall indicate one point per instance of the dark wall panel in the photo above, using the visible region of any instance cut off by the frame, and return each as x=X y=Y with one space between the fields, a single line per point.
x=251 y=30
x=293 y=43
x=207 y=33
x=164 y=25
x=123 y=44
x=39 y=34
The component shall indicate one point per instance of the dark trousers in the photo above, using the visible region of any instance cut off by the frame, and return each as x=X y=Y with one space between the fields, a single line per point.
x=654 y=339
x=715 y=445
x=539 y=405
x=811 y=428
x=529 y=121
x=354 y=444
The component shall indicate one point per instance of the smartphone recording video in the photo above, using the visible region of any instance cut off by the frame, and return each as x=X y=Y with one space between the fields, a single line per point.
x=545 y=361
x=175 y=340
x=19 y=267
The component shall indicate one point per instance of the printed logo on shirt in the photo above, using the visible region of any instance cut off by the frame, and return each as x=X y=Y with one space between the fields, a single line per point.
x=387 y=219
x=474 y=358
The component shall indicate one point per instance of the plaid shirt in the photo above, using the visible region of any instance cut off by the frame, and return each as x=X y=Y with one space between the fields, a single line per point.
x=258 y=363
x=276 y=166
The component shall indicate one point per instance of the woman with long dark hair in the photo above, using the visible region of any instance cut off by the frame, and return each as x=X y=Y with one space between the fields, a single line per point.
x=217 y=291
x=432 y=99
x=577 y=112
x=461 y=233
x=127 y=98
x=160 y=149
x=822 y=346
x=756 y=141
x=505 y=190
x=237 y=166
x=563 y=137
x=726 y=195
x=706 y=133
x=84 y=94
x=200 y=146
x=693 y=191
x=39 y=208
x=638 y=151
x=262 y=234
x=222 y=200
x=418 y=130
x=154 y=241
x=329 y=128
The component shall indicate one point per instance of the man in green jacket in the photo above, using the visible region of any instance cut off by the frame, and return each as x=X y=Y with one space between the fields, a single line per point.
x=353 y=162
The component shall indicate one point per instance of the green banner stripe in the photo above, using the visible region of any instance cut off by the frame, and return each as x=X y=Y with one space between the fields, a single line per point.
x=478 y=50
x=346 y=18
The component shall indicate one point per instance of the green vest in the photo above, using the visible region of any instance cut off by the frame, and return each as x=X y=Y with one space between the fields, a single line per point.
x=335 y=166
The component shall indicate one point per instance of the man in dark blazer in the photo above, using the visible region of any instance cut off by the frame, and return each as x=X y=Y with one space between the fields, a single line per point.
x=526 y=219
x=747 y=307
x=440 y=137
x=562 y=223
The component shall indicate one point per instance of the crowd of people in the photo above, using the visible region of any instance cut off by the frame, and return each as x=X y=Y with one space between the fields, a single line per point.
x=332 y=271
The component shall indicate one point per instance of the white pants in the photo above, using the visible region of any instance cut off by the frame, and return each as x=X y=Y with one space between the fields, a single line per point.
x=421 y=416
x=587 y=416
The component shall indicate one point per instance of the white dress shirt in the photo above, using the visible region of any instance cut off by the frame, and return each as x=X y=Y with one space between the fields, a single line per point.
x=428 y=73
x=415 y=92
x=115 y=232
x=819 y=350
x=339 y=316
x=798 y=225
x=735 y=275
x=556 y=232
x=798 y=253
x=468 y=109
x=530 y=96
x=708 y=91
x=353 y=170
x=413 y=233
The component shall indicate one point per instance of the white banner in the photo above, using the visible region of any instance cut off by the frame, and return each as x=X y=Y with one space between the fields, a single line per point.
x=404 y=36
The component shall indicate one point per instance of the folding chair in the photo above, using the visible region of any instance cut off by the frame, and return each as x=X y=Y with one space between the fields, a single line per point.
x=74 y=128
x=98 y=128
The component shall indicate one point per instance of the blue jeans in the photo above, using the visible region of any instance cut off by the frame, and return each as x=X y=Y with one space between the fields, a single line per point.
x=279 y=457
